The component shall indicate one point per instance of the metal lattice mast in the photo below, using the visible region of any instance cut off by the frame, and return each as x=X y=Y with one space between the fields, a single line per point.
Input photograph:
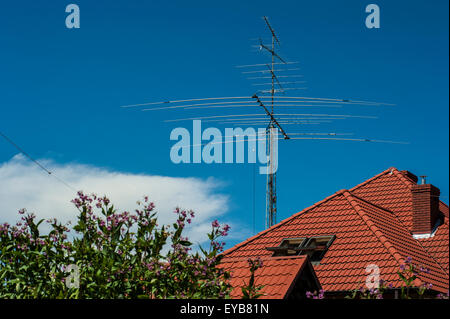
x=271 y=196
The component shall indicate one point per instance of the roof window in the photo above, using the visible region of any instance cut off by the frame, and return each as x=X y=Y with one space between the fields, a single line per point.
x=315 y=247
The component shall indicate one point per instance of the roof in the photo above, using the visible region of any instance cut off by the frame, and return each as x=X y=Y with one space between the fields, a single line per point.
x=278 y=275
x=372 y=223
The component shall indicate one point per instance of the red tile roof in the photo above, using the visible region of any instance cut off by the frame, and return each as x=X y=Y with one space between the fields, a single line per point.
x=372 y=223
x=278 y=275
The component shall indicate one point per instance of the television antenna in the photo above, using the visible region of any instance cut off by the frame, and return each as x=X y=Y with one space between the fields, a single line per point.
x=268 y=99
x=271 y=189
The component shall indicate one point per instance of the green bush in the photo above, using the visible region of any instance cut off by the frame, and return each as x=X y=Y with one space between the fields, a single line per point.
x=110 y=255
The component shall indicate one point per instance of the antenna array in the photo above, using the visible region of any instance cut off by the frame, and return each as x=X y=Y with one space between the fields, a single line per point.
x=271 y=190
x=267 y=100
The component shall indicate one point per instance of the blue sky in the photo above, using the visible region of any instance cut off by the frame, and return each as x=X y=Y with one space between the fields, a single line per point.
x=62 y=89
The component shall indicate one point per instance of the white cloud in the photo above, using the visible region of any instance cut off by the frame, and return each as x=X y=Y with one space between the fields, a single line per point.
x=25 y=185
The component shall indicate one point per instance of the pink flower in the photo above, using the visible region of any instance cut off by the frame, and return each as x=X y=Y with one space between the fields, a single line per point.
x=215 y=224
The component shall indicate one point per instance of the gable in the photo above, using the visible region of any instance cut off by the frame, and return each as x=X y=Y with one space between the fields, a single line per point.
x=281 y=277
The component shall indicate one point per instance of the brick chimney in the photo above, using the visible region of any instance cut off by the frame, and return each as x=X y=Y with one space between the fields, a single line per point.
x=425 y=200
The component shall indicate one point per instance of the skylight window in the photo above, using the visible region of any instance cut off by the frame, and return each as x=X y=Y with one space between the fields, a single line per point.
x=288 y=247
x=315 y=247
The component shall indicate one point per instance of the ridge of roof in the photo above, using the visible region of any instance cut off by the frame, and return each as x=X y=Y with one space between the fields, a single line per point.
x=391 y=170
x=229 y=250
x=418 y=243
x=431 y=255
x=408 y=183
x=382 y=238
x=372 y=178
x=399 y=221
x=379 y=235
x=445 y=205
x=374 y=205
x=403 y=178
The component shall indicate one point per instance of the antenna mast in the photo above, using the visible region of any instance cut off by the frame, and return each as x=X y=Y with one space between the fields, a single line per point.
x=271 y=191
x=267 y=100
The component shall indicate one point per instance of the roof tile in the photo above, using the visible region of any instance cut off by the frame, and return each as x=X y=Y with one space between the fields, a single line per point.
x=372 y=223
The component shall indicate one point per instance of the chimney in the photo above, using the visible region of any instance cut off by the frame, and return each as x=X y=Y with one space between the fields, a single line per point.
x=425 y=202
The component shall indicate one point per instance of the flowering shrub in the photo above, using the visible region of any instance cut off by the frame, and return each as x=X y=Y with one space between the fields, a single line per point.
x=315 y=294
x=372 y=293
x=442 y=296
x=408 y=273
x=111 y=255
x=251 y=291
